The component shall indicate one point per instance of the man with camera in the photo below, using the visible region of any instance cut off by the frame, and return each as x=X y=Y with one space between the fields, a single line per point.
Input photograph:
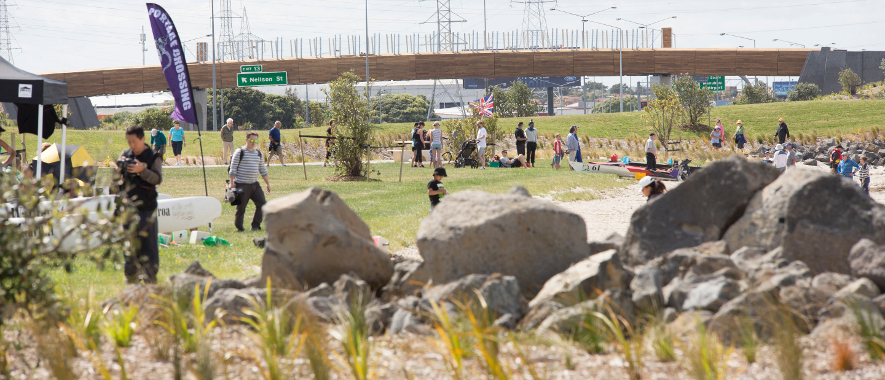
x=245 y=166
x=142 y=171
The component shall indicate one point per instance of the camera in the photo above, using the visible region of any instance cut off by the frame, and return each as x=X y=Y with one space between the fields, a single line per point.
x=124 y=164
x=232 y=196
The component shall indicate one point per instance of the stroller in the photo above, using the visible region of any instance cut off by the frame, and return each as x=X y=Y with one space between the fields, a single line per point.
x=465 y=156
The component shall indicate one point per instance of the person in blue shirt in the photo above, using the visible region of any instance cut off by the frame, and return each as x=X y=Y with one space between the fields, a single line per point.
x=158 y=141
x=847 y=166
x=275 y=147
x=176 y=135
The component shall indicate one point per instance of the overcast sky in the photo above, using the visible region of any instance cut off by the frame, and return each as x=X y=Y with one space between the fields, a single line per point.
x=61 y=35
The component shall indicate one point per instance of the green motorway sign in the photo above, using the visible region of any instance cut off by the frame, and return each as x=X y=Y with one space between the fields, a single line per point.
x=250 y=68
x=713 y=83
x=261 y=79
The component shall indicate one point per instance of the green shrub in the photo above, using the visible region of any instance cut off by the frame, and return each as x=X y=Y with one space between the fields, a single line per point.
x=803 y=91
x=754 y=94
x=850 y=81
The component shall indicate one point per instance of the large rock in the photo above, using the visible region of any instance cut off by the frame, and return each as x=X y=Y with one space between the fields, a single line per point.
x=230 y=303
x=646 y=288
x=867 y=259
x=313 y=237
x=861 y=286
x=477 y=232
x=183 y=286
x=697 y=211
x=815 y=216
x=708 y=292
x=569 y=319
x=830 y=282
x=500 y=293
x=585 y=280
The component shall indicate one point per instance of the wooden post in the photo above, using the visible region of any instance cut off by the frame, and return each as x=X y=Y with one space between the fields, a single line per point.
x=303 y=159
x=368 y=162
x=402 y=153
x=667 y=37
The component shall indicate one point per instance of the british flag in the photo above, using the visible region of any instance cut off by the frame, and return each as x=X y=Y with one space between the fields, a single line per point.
x=484 y=105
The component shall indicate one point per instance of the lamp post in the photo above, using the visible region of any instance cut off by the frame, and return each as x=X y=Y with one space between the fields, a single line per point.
x=732 y=35
x=791 y=43
x=620 y=59
x=583 y=17
x=646 y=26
x=214 y=89
x=583 y=23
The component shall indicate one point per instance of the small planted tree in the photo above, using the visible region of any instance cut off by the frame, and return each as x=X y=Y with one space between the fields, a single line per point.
x=350 y=110
x=521 y=101
x=694 y=99
x=663 y=113
x=850 y=81
x=754 y=94
x=803 y=91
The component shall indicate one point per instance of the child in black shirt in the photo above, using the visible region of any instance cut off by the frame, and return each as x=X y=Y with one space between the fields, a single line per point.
x=435 y=188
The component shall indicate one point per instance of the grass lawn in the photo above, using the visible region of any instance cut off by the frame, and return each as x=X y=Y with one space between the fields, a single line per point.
x=391 y=209
x=818 y=118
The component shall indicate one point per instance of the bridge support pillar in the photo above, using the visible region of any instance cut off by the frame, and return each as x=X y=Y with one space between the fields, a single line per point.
x=550 y=98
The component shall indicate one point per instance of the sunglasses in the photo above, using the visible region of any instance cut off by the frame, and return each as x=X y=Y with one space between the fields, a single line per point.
x=254 y=141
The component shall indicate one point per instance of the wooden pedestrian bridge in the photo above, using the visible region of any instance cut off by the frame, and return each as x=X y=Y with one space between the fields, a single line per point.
x=452 y=65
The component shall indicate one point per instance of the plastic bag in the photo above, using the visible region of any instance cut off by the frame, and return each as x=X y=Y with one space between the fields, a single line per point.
x=212 y=241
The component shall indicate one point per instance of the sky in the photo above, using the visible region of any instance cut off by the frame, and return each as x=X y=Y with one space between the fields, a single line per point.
x=62 y=35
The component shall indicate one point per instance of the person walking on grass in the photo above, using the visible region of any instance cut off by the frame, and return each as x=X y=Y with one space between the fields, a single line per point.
x=245 y=166
x=557 y=152
x=436 y=145
x=227 y=140
x=140 y=179
x=275 y=146
x=417 y=146
x=863 y=174
x=176 y=134
x=481 y=135
x=158 y=141
x=739 y=138
x=531 y=144
x=847 y=167
x=519 y=134
x=330 y=139
x=651 y=153
x=782 y=131
x=435 y=188
x=717 y=135
x=573 y=145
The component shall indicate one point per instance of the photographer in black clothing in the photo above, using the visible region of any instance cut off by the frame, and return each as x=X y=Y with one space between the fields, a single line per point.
x=142 y=171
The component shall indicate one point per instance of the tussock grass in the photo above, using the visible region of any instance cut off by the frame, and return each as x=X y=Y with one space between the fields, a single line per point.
x=628 y=339
x=120 y=325
x=869 y=328
x=352 y=329
x=705 y=357
x=747 y=338
x=188 y=323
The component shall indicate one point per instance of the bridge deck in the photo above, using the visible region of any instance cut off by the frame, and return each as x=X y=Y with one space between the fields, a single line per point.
x=772 y=62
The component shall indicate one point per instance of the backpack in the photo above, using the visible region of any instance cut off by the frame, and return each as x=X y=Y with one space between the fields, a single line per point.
x=835 y=156
x=240 y=157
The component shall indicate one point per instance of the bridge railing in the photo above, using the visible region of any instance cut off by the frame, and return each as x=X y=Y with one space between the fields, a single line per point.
x=476 y=41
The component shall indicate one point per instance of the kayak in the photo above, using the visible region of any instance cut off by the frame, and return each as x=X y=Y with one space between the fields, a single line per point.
x=636 y=169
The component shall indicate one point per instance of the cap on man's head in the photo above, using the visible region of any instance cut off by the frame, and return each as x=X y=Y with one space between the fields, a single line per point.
x=788 y=144
x=646 y=182
x=778 y=147
x=440 y=172
x=531 y=122
x=738 y=122
x=153 y=132
x=520 y=123
x=781 y=119
x=839 y=146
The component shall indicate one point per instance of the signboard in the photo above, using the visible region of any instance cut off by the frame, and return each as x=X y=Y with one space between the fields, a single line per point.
x=711 y=82
x=532 y=82
x=262 y=79
x=250 y=68
x=782 y=88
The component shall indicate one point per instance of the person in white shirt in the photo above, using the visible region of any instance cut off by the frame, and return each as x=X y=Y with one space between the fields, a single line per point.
x=436 y=146
x=531 y=144
x=651 y=153
x=780 y=157
x=481 y=136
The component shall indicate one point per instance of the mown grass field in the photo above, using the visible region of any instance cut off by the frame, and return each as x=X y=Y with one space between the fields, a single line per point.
x=391 y=208
x=818 y=118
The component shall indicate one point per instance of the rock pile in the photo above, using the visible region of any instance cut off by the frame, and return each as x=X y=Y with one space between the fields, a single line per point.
x=735 y=240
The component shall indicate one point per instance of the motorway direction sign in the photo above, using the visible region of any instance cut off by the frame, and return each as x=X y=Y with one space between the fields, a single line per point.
x=262 y=79
x=250 y=68
x=712 y=82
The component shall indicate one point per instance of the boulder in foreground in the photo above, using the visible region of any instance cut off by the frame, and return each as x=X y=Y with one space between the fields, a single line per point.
x=313 y=237
x=474 y=232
